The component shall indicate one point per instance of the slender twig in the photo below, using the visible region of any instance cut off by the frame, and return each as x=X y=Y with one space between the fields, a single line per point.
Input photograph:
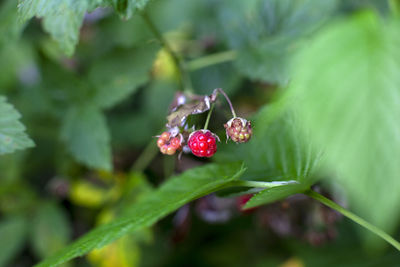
x=354 y=218
x=144 y=159
x=212 y=59
x=179 y=63
x=209 y=116
x=229 y=102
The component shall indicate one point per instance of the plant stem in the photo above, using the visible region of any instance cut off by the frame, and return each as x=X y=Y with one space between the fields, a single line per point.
x=210 y=60
x=258 y=184
x=209 y=116
x=144 y=159
x=185 y=81
x=354 y=218
x=394 y=6
x=229 y=102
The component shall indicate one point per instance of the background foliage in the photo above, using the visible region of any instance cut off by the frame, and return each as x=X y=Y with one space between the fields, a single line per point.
x=86 y=85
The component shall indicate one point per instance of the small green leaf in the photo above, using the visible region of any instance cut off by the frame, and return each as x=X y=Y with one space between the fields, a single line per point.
x=50 y=230
x=12 y=131
x=86 y=135
x=13 y=232
x=120 y=74
x=346 y=89
x=176 y=192
x=273 y=194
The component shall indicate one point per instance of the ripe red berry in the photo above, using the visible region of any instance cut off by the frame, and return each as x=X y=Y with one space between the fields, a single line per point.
x=241 y=201
x=203 y=143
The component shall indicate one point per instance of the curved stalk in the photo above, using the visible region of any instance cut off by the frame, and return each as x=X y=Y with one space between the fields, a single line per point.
x=229 y=102
x=185 y=81
x=354 y=218
x=211 y=60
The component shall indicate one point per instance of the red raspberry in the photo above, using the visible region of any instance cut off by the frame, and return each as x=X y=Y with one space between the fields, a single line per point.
x=203 y=143
x=241 y=201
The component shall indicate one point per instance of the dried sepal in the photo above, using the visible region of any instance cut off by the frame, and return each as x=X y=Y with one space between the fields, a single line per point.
x=198 y=104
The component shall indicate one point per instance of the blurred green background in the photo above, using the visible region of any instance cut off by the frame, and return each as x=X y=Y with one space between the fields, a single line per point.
x=93 y=116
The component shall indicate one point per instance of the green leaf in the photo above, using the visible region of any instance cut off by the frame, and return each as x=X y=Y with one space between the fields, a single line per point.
x=173 y=194
x=12 y=131
x=51 y=230
x=120 y=74
x=10 y=28
x=86 y=135
x=346 y=90
x=267 y=32
x=273 y=194
x=13 y=232
x=127 y=8
x=62 y=19
x=276 y=152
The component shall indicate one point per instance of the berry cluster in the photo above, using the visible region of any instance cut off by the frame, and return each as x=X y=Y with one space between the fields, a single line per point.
x=168 y=144
x=202 y=143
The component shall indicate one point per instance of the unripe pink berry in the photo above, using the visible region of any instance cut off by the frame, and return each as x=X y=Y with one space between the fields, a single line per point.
x=239 y=130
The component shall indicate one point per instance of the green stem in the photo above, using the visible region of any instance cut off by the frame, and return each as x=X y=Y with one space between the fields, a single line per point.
x=185 y=81
x=144 y=159
x=209 y=116
x=354 y=218
x=258 y=184
x=210 y=60
x=394 y=6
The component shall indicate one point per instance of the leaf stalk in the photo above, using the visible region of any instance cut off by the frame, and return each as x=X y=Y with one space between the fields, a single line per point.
x=327 y=202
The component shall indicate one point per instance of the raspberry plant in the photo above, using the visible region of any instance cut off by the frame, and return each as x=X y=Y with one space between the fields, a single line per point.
x=110 y=121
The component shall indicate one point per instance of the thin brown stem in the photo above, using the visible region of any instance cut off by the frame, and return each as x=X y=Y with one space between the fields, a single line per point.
x=229 y=102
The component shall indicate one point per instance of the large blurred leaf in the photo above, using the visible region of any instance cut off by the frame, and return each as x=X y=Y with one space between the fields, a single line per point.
x=10 y=28
x=12 y=131
x=267 y=32
x=121 y=73
x=347 y=85
x=16 y=60
x=173 y=194
x=50 y=230
x=218 y=76
x=275 y=152
x=62 y=19
x=12 y=232
x=86 y=135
